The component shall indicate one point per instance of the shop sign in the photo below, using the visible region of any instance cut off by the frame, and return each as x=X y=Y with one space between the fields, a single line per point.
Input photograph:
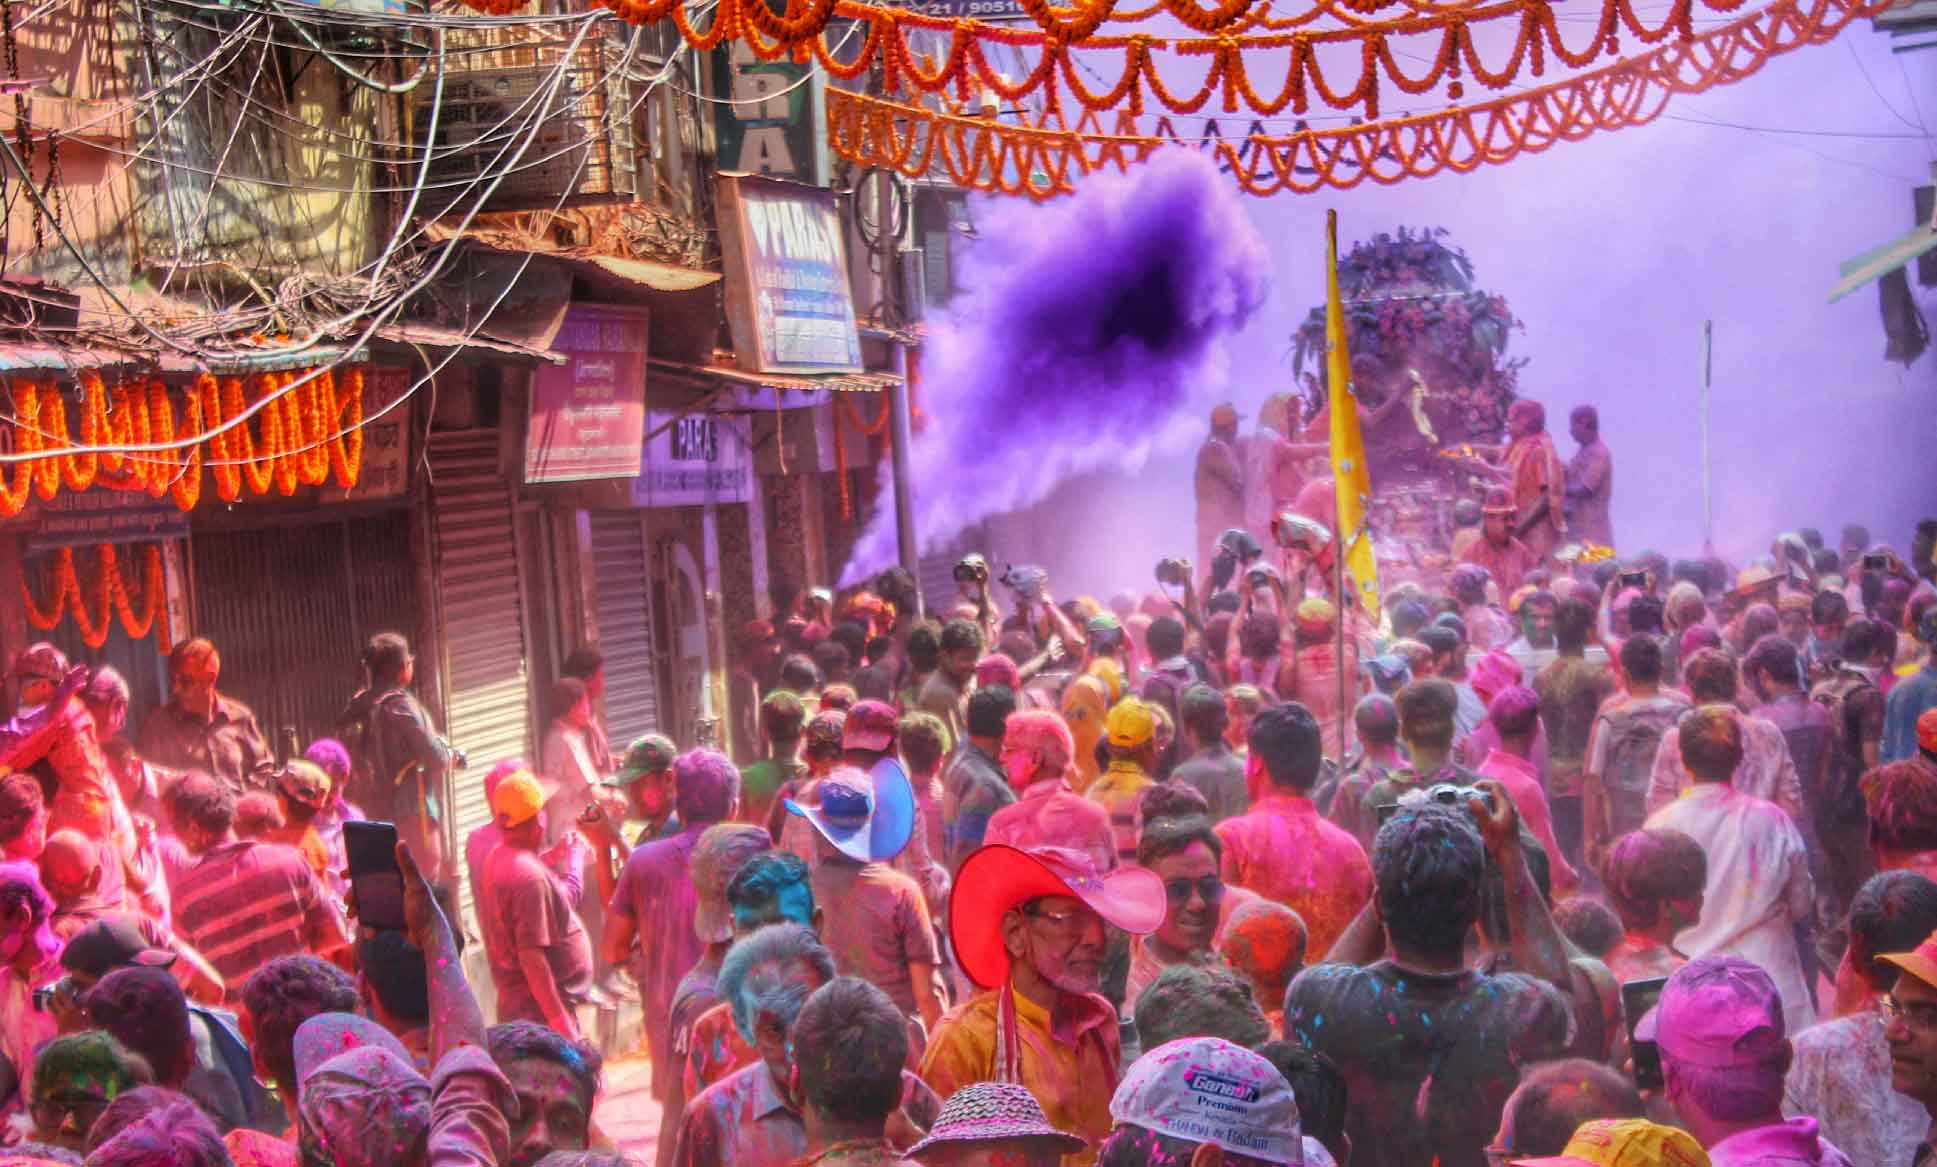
x=788 y=298
x=72 y=519
x=695 y=459
x=588 y=415
x=766 y=126
x=968 y=9
x=385 y=470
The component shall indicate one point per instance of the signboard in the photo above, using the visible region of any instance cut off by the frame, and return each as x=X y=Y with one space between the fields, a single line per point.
x=588 y=415
x=969 y=9
x=385 y=469
x=104 y=516
x=695 y=459
x=787 y=293
x=767 y=124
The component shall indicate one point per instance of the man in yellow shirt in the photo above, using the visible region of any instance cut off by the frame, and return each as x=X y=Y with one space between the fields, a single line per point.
x=1132 y=731
x=1028 y=928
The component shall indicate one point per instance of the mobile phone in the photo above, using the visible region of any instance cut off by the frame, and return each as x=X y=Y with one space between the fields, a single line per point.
x=1876 y=561
x=1637 y=997
x=1634 y=579
x=375 y=879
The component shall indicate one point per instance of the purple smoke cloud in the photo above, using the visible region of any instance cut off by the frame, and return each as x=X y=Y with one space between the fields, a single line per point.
x=1085 y=329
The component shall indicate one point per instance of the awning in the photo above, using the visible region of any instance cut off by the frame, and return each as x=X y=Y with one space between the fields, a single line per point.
x=431 y=336
x=1875 y=264
x=644 y=273
x=807 y=385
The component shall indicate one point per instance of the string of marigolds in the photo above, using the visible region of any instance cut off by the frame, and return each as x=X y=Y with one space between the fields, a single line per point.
x=1267 y=72
x=1046 y=159
x=103 y=597
x=305 y=436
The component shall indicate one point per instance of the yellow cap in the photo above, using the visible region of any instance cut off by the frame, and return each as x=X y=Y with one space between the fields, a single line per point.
x=1625 y=1142
x=518 y=799
x=1132 y=723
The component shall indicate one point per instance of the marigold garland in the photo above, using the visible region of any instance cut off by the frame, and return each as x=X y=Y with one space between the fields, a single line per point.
x=1044 y=160
x=307 y=435
x=92 y=603
x=1240 y=47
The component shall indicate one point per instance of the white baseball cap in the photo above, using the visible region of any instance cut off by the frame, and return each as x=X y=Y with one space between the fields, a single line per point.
x=1207 y=1090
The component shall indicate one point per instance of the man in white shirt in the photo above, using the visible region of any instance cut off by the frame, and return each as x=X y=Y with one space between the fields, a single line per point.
x=1758 y=866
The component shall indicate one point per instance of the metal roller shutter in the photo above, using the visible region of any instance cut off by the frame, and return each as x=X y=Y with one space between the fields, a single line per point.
x=481 y=609
x=625 y=625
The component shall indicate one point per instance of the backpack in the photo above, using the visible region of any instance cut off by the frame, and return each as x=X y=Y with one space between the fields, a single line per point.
x=1633 y=735
x=1842 y=788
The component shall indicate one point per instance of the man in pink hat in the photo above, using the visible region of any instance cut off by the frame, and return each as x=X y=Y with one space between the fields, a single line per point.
x=1724 y=1052
x=1030 y=928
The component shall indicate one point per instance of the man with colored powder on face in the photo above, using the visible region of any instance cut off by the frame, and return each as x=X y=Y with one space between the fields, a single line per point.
x=1029 y=929
x=1037 y=753
x=1720 y=1025
x=1911 y=1030
x=1759 y=884
x=75 y=1077
x=556 y=1081
x=1531 y=471
x=1498 y=550
x=200 y=729
x=1427 y=1044
x=29 y=950
x=1841 y=1072
x=945 y=693
x=1211 y=769
x=1281 y=848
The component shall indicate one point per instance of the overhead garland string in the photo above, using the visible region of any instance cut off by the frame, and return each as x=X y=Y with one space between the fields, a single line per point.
x=1047 y=159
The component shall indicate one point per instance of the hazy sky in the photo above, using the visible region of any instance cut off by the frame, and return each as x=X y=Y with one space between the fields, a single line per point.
x=1613 y=251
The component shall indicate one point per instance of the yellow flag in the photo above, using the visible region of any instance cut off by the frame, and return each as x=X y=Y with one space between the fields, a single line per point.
x=1351 y=481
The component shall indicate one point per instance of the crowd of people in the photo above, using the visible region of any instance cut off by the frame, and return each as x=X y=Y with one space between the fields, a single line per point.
x=1620 y=862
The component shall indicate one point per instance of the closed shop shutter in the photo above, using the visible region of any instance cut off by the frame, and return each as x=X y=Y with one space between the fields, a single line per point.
x=485 y=678
x=625 y=625
x=291 y=607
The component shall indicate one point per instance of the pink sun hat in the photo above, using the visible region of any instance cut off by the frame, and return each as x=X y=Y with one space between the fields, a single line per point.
x=989 y=1112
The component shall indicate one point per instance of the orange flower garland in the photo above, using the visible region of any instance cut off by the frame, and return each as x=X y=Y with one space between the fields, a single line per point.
x=105 y=596
x=1045 y=160
x=309 y=435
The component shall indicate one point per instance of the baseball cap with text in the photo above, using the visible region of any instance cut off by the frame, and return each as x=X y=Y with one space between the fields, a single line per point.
x=1208 y=1090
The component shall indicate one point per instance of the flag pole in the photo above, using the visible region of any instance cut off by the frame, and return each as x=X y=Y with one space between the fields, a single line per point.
x=1708 y=485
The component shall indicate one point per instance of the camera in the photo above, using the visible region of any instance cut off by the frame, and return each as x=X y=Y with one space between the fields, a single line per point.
x=1876 y=561
x=1026 y=580
x=1453 y=794
x=1261 y=575
x=1634 y=579
x=1173 y=572
x=971 y=568
x=1294 y=531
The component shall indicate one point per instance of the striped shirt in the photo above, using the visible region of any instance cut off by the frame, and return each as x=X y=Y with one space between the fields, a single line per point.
x=246 y=903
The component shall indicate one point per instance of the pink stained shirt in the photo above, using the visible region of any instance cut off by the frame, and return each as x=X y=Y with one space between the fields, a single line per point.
x=1517 y=774
x=1050 y=814
x=1766 y=770
x=1284 y=850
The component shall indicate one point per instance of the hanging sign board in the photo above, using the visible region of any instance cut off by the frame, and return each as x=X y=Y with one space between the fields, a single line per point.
x=695 y=459
x=787 y=292
x=588 y=415
x=103 y=516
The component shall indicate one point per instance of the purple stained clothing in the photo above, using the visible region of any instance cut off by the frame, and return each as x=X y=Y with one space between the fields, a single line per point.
x=1840 y=1077
x=1795 y=1143
x=655 y=892
x=876 y=925
x=1766 y=770
x=1590 y=493
x=523 y=906
x=1475 y=746
x=469 y=1099
x=1428 y=1058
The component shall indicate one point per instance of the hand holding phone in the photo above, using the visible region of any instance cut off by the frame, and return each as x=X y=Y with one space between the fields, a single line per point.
x=1637 y=997
x=376 y=882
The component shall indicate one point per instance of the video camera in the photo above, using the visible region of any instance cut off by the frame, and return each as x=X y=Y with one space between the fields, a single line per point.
x=1173 y=572
x=1295 y=532
x=971 y=568
x=1235 y=548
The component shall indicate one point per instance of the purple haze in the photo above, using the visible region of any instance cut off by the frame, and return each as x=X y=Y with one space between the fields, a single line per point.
x=1087 y=327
